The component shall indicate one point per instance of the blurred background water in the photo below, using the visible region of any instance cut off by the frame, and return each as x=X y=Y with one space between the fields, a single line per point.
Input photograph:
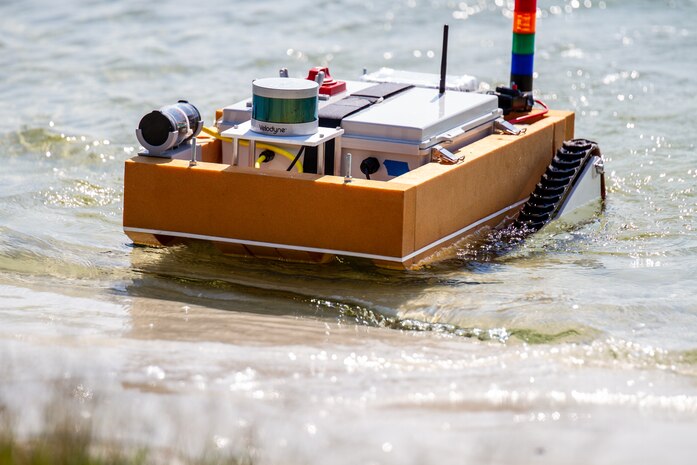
x=579 y=347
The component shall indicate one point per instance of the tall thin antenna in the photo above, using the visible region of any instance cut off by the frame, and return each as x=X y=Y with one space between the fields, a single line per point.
x=443 y=60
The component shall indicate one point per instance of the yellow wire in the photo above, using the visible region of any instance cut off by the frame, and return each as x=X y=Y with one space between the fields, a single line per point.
x=260 y=160
x=214 y=132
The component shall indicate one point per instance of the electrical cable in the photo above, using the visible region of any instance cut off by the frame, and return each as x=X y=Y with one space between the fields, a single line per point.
x=214 y=133
x=260 y=160
x=532 y=116
x=297 y=157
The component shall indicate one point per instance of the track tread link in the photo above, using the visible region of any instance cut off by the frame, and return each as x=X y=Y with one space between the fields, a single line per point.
x=555 y=185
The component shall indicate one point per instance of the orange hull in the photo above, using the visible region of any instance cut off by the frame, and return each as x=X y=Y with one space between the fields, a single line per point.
x=406 y=222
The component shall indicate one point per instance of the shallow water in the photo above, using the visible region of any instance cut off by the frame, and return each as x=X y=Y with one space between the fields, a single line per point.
x=578 y=347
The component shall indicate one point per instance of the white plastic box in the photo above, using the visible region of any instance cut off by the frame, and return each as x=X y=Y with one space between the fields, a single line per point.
x=404 y=128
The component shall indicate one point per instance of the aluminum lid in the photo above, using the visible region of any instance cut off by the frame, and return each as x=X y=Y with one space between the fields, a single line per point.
x=287 y=88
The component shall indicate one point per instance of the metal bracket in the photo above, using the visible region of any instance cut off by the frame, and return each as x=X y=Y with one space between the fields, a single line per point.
x=443 y=155
x=599 y=166
x=507 y=128
x=157 y=151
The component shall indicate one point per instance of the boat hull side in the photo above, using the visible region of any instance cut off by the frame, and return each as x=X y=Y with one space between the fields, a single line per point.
x=406 y=222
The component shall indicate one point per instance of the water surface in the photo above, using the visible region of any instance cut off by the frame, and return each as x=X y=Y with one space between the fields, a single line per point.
x=578 y=347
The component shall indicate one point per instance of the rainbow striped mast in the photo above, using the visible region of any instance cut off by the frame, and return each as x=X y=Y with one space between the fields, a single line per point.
x=523 y=55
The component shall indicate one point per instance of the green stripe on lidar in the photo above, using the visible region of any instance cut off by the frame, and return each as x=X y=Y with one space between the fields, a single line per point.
x=524 y=44
x=285 y=111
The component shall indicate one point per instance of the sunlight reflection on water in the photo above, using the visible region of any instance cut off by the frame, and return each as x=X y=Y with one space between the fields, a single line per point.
x=584 y=335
